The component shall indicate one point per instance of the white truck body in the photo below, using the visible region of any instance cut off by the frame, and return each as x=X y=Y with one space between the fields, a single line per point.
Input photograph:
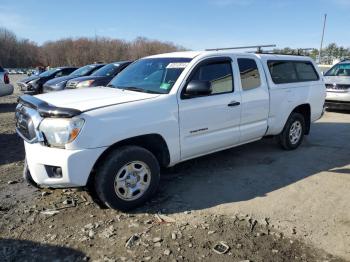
x=189 y=127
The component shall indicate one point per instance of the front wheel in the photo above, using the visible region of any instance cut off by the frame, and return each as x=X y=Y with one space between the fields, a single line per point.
x=127 y=177
x=293 y=132
x=27 y=176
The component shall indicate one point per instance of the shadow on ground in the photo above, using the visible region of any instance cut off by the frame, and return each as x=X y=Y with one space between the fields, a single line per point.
x=24 y=250
x=7 y=107
x=11 y=148
x=251 y=171
x=342 y=111
x=239 y=174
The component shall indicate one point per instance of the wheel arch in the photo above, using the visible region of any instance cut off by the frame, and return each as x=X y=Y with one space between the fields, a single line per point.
x=305 y=111
x=154 y=143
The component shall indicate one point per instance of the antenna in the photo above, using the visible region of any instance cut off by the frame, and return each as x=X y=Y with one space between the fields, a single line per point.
x=324 y=26
x=258 y=47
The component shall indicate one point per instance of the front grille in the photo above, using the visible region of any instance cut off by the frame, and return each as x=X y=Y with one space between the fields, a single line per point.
x=338 y=86
x=71 y=84
x=24 y=124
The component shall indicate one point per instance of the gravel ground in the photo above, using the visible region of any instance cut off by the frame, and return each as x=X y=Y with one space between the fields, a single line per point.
x=263 y=203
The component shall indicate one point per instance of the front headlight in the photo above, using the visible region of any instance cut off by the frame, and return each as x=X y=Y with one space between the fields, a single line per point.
x=85 y=83
x=60 y=131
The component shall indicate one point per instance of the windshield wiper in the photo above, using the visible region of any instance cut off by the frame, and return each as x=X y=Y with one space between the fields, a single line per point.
x=139 y=89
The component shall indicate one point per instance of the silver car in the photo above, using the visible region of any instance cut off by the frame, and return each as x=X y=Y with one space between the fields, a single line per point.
x=5 y=87
x=337 y=81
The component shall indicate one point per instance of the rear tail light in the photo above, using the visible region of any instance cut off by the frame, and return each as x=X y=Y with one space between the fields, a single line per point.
x=6 y=78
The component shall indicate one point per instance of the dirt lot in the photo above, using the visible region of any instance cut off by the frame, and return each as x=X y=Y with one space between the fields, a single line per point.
x=264 y=203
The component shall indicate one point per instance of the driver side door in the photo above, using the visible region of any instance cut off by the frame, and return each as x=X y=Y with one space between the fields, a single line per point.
x=210 y=122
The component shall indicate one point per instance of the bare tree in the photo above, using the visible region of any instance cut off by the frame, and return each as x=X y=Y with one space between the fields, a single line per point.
x=15 y=52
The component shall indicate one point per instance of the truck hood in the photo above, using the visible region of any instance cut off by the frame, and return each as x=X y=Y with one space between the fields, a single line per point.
x=92 y=98
x=344 y=80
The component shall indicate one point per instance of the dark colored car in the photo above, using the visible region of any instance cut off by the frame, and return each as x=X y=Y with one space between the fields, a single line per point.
x=58 y=84
x=4 y=76
x=34 y=84
x=99 y=78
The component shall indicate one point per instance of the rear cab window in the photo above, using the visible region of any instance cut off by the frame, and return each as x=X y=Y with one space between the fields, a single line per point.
x=249 y=72
x=288 y=71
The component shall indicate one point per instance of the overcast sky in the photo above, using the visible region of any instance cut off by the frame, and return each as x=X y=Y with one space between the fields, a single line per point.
x=195 y=24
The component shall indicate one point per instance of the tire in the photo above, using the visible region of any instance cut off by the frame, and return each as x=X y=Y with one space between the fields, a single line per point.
x=27 y=176
x=125 y=170
x=289 y=139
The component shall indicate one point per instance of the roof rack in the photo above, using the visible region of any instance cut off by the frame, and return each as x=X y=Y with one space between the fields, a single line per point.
x=258 y=47
x=299 y=52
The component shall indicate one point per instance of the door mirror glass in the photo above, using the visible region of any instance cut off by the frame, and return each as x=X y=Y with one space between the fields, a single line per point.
x=198 y=88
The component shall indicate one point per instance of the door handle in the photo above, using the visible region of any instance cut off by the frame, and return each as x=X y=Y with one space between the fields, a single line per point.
x=234 y=103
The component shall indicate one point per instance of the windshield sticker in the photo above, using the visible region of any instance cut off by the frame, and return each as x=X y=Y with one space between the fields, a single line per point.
x=177 y=65
x=116 y=64
x=165 y=86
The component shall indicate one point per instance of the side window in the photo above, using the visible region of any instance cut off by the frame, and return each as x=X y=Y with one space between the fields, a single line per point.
x=67 y=71
x=282 y=72
x=250 y=77
x=95 y=69
x=306 y=71
x=218 y=74
x=59 y=73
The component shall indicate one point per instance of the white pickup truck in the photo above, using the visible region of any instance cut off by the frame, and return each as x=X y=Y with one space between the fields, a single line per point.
x=162 y=110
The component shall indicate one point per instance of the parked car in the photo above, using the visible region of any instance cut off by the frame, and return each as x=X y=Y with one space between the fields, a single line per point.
x=34 y=84
x=162 y=110
x=5 y=87
x=59 y=83
x=36 y=71
x=338 y=86
x=101 y=77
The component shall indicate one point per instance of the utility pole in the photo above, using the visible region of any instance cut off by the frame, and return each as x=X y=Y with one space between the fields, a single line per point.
x=324 y=26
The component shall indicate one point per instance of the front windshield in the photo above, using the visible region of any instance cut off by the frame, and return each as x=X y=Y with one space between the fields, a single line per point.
x=49 y=72
x=107 y=70
x=151 y=75
x=339 y=70
x=82 y=71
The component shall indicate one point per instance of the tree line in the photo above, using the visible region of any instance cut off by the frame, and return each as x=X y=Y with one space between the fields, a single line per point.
x=16 y=52
x=328 y=54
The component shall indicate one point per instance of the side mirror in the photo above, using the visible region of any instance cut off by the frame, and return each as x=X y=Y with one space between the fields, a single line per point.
x=198 y=88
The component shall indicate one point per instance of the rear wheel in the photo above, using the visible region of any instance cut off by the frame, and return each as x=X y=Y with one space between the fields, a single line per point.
x=127 y=177
x=293 y=132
